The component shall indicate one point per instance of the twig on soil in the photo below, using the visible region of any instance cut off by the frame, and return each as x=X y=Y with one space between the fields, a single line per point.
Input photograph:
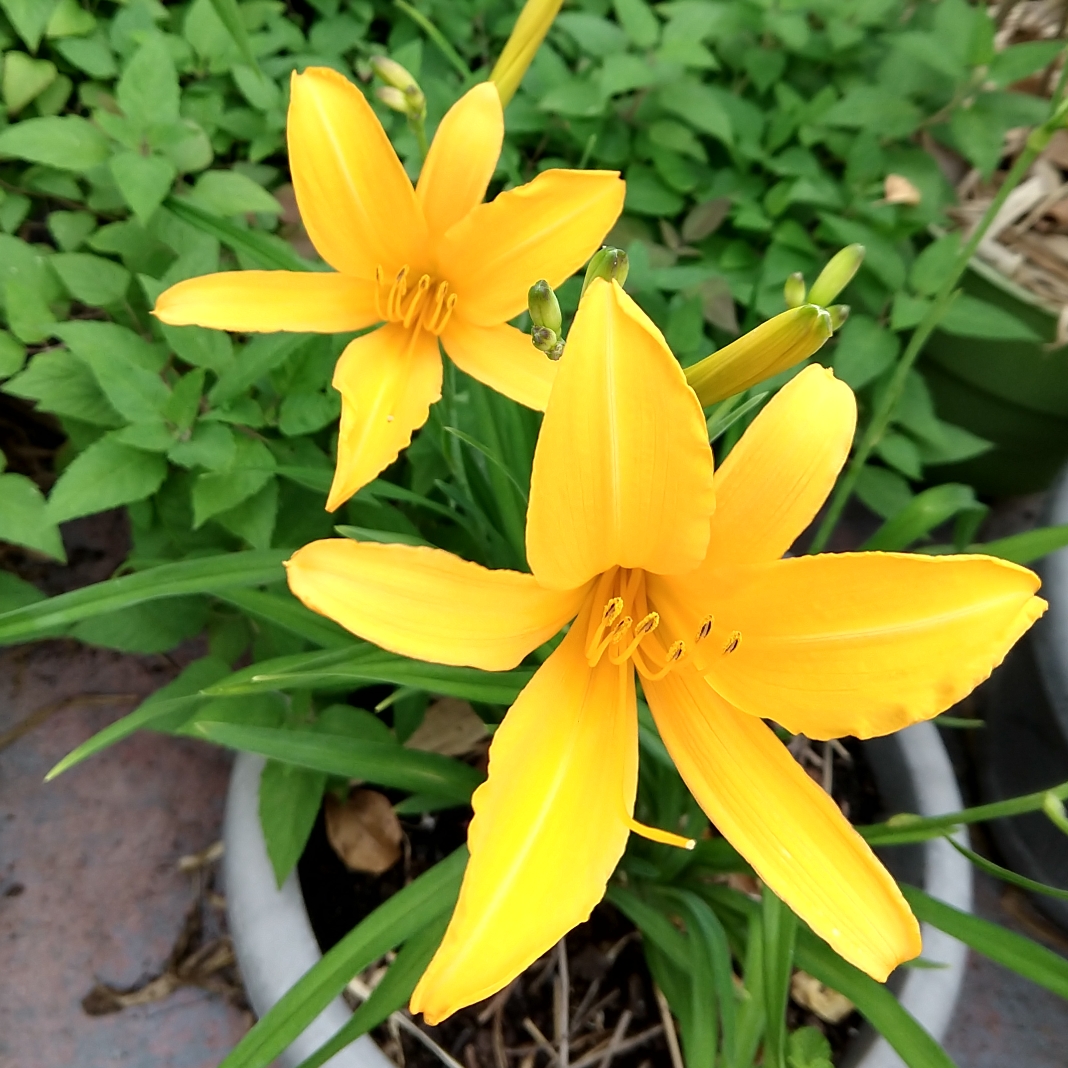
x=544 y=1044
x=669 y=1029
x=617 y=1039
x=401 y=1019
x=631 y=1043
x=828 y=768
x=561 y=998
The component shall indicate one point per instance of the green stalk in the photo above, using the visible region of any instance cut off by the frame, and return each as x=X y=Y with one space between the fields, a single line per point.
x=437 y=37
x=887 y=402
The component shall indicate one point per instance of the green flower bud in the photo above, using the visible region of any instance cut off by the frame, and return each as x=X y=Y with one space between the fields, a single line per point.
x=401 y=91
x=794 y=290
x=393 y=74
x=838 y=313
x=547 y=341
x=611 y=264
x=836 y=275
x=544 y=307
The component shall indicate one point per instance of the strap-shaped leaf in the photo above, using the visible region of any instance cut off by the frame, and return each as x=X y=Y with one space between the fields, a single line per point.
x=1019 y=954
x=384 y=763
x=207 y=574
x=432 y=895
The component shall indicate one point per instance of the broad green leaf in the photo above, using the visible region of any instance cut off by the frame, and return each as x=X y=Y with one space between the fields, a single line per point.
x=1013 y=951
x=409 y=911
x=1018 y=61
x=252 y=467
x=1023 y=548
x=256 y=246
x=209 y=574
x=24 y=79
x=96 y=342
x=144 y=181
x=808 y=1048
x=168 y=706
x=148 y=90
x=62 y=383
x=91 y=279
x=106 y=475
x=701 y=106
x=970 y=317
x=875 y=108
x=29 y=17
x=230 y=16
x=211 y=446
x=885 y=492
x=931 y=266
x=922 y=514
x=383 y=763
x=145 y=628
x=253 y=519
x=637 y=19
x=16 y=592
x=69 y=143
x=290 y=797
x=24 y=518
x=90 y=54
x=69 y=19
x=391 y=993
x=863 y=351
x=71 y=228
x=12 y=355
x=881 y=257
x=594 y=35
x=229 y=193
x=259 y=358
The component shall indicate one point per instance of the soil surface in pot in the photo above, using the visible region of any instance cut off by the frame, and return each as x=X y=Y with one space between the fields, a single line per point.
x=608 y=986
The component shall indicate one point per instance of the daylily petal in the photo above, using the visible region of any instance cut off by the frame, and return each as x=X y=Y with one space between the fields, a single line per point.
x=428 y=604
x=779 y=474
x=622 y=470
x=387 y=380
x=865 y=643
x=462 y=158
x=357 y=203
x=502 y=357
x=549 y=826
x=264 y=301
x=791 y=832
x=547 y=229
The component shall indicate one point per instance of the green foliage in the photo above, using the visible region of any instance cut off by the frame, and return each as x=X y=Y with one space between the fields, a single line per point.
x=144 y=144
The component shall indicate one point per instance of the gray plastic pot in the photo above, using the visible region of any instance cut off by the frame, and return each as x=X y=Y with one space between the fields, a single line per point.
x=275 y=946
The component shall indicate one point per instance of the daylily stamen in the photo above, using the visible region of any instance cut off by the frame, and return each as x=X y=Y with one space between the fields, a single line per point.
x=645 y=626
x=705 y=629
x=733 y=642
x=674 y=655
x=415 y=308
x=417 y=299
x=655 y=834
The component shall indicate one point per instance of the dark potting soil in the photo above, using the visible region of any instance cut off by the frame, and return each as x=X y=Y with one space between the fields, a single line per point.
x=607 y=975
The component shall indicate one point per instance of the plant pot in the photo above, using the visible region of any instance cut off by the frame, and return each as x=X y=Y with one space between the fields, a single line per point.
x=1013 y=393
x=1026 y=735
x=274 y=942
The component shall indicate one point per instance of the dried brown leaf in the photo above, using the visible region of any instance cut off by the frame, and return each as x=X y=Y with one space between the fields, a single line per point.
x=808 y=992
x=364 y=831
x=450 y=727
x=897 y=189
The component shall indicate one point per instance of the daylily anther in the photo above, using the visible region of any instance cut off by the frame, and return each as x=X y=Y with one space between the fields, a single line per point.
x=676 y=575
x=431 y=262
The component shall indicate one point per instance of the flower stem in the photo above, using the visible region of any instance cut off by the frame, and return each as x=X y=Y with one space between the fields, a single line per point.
x=437 y=37
x=887 y=401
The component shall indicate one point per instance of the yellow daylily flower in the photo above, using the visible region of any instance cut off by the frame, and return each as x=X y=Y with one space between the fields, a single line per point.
x=676 y=573
x=430 y=262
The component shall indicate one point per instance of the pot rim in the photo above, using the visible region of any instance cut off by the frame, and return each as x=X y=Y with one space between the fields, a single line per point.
x=275 y=946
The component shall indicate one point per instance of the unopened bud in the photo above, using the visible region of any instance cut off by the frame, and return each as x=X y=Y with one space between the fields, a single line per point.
x=794 y=290
x=611 y=264
x=773 y=347
x=544 y=308
x=838 y=313
x=401 y=91
x=836 y=275
x=393 y=74
x=547 y=341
